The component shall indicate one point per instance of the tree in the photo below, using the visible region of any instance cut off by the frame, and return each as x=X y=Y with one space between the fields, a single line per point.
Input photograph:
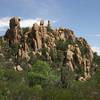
x=96 y=59
x=39 y=73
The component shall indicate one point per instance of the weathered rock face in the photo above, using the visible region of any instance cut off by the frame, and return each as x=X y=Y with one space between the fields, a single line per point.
x=14 y=32
x=15 y=21
x=44 y=41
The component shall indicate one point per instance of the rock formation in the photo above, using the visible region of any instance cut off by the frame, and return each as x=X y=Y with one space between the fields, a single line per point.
x=13 y=34
x=43 y=42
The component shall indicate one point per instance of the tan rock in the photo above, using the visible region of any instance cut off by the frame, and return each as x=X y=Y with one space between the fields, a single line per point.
x=18 y=68
x=69 y=58
x=13 y=34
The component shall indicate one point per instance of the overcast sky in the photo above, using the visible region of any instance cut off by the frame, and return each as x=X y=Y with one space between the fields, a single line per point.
x=82 y=16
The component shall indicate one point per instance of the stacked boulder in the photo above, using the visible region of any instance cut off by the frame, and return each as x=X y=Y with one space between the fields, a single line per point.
x=13 y=33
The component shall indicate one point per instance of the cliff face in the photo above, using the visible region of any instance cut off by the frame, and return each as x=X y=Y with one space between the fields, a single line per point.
x=52 y=45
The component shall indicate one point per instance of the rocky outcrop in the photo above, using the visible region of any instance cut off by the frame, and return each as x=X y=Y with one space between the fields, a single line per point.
x=13 y=34
x=43 y=41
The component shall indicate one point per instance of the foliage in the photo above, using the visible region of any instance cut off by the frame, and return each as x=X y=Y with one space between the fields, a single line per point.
x=14 y=85
x=44 y=80
x=96 y=59
x=40 y=73
x=25 y=30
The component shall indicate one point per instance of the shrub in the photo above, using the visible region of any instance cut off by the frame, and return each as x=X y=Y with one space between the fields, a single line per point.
x=39 y=73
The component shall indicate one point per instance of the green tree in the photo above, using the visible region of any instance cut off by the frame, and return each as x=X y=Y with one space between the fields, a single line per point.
x=39 y=74
x=96 y=59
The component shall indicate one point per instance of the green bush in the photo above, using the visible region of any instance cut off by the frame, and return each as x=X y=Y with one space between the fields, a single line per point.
x=39 y=73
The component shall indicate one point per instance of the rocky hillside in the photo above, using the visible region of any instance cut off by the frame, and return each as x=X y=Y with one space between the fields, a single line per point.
x=60 y=47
